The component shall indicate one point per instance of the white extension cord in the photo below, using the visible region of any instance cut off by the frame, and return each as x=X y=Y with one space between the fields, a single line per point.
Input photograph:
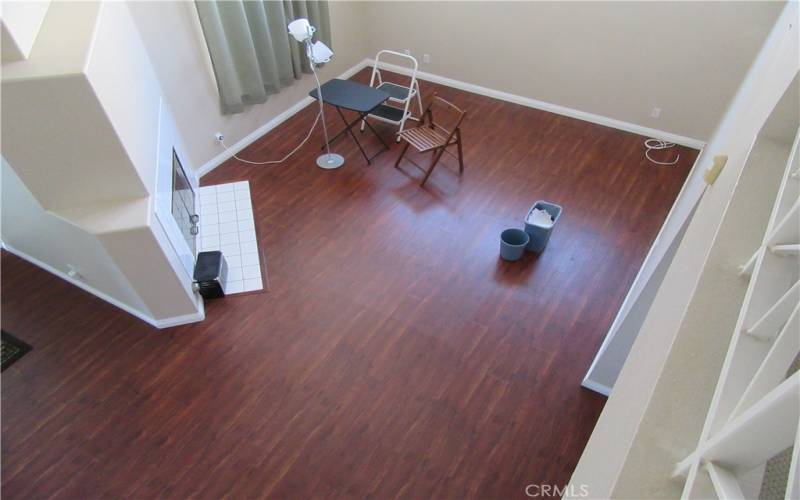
x=272 y=162
x=650 y=144
x=659 y=145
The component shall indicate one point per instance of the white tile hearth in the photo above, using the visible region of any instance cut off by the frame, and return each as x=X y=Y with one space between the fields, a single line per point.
x=226 y=224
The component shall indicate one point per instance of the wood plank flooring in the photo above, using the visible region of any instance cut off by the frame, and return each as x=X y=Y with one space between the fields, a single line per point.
x=394 y=355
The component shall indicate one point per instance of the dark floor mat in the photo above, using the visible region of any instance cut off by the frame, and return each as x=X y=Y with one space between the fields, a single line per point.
x=12 y=350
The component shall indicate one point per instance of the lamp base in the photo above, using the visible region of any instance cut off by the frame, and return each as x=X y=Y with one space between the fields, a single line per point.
x=330 y=161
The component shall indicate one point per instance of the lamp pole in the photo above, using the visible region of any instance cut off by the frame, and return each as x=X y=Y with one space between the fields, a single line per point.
x=329 y=160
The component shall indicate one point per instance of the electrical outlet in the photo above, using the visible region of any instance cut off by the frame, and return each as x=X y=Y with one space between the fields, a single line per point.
x=426 y=58
x=73 y=272
x=655 y=113
x=219 y=137
x=406 y=52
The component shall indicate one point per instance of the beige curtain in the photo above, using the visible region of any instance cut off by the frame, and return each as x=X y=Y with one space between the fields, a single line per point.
x=251 y=51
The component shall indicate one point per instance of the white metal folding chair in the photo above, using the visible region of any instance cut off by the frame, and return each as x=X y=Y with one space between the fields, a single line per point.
x=397 y=109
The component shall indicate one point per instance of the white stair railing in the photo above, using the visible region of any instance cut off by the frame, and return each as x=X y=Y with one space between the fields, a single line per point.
x=755 y=411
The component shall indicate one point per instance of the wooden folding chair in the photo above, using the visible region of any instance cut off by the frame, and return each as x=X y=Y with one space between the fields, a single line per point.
x=435 y=137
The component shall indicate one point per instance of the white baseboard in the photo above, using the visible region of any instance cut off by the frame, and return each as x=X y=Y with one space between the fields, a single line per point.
x=181 y=320
x=596 y=387
x=469 y=87
x=260 y=131
x=546 y=106
x=158 y=323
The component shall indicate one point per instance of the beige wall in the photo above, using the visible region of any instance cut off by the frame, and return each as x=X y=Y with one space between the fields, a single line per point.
x=616 y=59
x=174 y=40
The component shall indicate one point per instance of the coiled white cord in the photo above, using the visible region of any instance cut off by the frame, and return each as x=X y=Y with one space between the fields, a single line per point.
x=271 y=162
x=658 y=145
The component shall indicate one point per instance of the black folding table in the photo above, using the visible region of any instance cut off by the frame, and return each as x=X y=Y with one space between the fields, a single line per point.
x=354 y=96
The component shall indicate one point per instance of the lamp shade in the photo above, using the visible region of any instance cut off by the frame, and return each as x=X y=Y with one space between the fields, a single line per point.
x=301 y=29
x=320 y=53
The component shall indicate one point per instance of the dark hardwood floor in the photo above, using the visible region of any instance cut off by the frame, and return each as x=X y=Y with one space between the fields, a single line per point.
x=394 y=355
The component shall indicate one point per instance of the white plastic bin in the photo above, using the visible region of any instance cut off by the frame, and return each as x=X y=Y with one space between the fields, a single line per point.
x=540 y=233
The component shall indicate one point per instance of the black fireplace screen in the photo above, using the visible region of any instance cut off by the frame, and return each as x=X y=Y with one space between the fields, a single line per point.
x=183 y=203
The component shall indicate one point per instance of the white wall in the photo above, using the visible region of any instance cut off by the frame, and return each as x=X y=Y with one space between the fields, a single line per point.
x=132 y=110
x=19 y=24
x=604 y=371
x=28 y=229
x=56 y=134
x=618 y=429
x=174 y=40
x=615 y=59
x=80 y=130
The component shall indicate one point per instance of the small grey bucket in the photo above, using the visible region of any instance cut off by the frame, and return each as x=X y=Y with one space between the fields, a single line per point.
x=540 y=234
x=512 y=244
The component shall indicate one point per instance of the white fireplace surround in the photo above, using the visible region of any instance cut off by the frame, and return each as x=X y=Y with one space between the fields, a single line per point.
x=169 y=140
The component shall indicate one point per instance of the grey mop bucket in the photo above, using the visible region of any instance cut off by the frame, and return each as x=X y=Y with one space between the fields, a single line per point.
x=512 y=244
x=539 y=235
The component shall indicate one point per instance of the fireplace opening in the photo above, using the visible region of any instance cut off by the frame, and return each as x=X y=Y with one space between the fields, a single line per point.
x=183 y=203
